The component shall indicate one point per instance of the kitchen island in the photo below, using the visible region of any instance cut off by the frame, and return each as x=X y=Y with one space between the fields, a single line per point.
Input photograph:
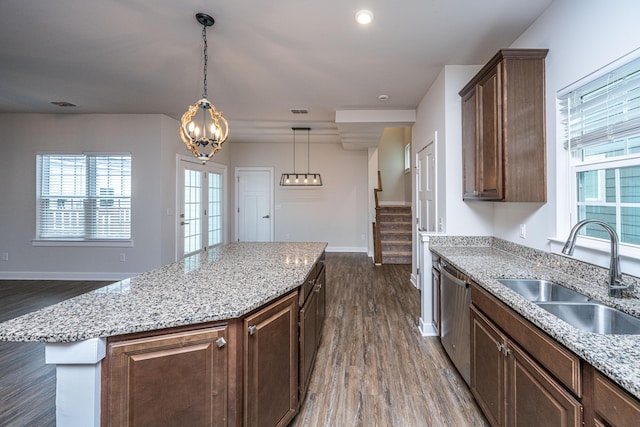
x=605 y=366
x=208 y=296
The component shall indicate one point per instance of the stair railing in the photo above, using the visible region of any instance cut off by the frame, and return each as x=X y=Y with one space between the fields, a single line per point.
x=377 y=240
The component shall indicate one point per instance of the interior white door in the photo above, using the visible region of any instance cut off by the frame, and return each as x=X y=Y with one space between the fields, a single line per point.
x=427 y=188
x=254 y=205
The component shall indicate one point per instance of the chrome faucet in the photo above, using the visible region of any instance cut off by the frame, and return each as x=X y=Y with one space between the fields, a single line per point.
x=616 y=284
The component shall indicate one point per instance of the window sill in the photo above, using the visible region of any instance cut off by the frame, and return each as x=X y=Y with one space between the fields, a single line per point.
x=83 y=243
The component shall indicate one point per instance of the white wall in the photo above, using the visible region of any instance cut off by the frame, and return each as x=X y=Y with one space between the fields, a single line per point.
x=391 y=167
x=582 y=36
x=439 y=120
x=152 y=141
x=335 y=213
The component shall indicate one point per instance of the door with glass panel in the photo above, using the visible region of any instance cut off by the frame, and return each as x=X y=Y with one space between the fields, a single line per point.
x=201 y=208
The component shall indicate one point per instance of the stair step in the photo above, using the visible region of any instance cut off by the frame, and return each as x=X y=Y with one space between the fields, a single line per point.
x=396 y=259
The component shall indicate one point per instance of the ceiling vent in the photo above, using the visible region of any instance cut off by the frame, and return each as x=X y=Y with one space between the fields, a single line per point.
x=299 y=110
x=63 y=104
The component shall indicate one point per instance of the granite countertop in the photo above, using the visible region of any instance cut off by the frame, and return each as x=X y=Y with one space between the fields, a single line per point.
x=485 y=259
x=224 y=283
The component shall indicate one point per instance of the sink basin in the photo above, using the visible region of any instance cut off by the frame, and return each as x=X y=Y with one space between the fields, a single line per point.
x=594 y=317
x=542 y=290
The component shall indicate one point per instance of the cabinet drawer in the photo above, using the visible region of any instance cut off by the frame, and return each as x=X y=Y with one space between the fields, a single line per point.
x=613 y=404
x=559 y=361
x=307 y=287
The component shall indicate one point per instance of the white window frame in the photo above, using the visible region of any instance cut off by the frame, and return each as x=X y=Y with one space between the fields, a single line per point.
x=407 y=157
x=80 y=240
x=593 y=249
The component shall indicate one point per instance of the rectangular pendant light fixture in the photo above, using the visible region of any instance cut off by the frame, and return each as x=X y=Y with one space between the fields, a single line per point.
x=300 y=179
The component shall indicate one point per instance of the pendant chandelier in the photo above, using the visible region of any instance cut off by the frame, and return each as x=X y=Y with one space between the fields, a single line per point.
x=297 y=179
x=202 y=128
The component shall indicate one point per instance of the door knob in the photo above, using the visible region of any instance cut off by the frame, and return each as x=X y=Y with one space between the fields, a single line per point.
x=184 y=223
x=266 y=216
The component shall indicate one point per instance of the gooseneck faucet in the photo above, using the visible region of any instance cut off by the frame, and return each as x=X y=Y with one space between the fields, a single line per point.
x=616 y=285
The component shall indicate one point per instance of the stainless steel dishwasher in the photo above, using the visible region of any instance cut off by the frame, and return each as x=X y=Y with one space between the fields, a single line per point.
x=454 y=317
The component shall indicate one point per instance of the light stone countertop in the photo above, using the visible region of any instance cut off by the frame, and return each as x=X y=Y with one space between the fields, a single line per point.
x=485 y=259
x=224 y=283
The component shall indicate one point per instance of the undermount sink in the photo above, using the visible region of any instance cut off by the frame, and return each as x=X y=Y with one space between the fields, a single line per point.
x=594 y=317
x=537 y=290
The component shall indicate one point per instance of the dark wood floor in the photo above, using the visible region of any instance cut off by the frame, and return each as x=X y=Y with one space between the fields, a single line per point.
x=373 y=367
x=27 y=385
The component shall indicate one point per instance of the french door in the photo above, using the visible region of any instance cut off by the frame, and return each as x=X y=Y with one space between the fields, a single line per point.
x=201 y=207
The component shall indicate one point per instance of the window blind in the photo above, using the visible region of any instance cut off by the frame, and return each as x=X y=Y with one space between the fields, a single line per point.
x=84 y=196
x=604 y=111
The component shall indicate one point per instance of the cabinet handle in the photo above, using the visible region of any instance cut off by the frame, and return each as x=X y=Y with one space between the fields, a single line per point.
x=318 y=288
x=220 y=342
x=503 y=349
x=252 y=329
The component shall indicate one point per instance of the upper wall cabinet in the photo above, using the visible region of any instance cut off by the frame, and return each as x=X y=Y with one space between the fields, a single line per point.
x=503 y=129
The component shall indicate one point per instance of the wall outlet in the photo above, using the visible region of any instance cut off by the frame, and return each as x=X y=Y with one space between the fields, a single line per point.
x=123 y=257
x=523 y=231
x=5 y=256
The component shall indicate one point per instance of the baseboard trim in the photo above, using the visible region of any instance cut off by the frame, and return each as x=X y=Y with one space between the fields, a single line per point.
x=414 y=281
x=347 y=249
x=427 y=329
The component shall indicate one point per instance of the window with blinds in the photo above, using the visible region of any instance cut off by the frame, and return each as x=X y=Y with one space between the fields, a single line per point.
x=602 y=132
x=84 y=196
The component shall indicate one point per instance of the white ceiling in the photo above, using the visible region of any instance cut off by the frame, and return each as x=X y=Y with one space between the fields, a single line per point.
x=265 y=57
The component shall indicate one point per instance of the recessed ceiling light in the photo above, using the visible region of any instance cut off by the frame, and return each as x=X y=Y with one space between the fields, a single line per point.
x=364 y=17
x=383 y=97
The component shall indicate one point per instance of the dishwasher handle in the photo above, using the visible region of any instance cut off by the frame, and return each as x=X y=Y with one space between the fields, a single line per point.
x=454 y=279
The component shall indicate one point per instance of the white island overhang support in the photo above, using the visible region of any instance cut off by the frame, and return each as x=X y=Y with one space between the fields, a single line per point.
x=78 y=371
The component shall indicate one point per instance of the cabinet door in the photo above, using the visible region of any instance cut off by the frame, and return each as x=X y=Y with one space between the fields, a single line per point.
x=322 y=302
x=309 y=332
x=536 y=399
x=170 y=380
x=469 y=145
x=489 y=154
x=488 y=368
x=271 y=364
x=612 y=405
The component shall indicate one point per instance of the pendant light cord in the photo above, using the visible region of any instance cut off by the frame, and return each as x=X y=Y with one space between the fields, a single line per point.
x=206 y=57
x=294 y=150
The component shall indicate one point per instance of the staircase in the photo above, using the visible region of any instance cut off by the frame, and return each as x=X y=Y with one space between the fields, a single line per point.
x=395 y=233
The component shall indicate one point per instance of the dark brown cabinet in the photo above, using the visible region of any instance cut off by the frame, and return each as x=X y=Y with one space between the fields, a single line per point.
x=271 y=364
x=250 y=371
x=503 y=129
x=512 y=388
x=174 y=379
x=488 y=369
x=519 y=376
x=613 y=406
x=312 y=315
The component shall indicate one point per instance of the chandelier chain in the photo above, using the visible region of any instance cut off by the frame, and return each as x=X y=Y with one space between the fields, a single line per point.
x=206 y=57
